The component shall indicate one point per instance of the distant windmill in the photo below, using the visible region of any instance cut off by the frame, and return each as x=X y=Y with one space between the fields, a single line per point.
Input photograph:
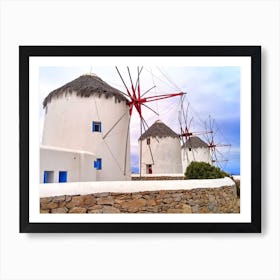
x=137 y=99
x=219 y=150
x=187 y=134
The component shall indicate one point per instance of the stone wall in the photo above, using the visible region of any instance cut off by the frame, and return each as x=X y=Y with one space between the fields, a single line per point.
x=200 y=200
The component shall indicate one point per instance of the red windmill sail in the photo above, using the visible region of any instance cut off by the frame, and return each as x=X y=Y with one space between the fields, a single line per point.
x=137 y=100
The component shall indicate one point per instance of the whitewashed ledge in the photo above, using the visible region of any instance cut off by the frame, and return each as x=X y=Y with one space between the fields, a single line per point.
x=83 y=188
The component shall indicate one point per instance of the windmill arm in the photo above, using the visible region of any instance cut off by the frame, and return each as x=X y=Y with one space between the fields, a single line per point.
x=159 y=97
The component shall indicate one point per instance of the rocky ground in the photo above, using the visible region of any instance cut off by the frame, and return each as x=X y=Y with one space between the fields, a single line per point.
x=237 y=182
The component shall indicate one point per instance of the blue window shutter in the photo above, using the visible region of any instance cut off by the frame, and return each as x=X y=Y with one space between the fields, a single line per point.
x=100 y=127
x=62 y=177
x=98 y=164
x=45 y=177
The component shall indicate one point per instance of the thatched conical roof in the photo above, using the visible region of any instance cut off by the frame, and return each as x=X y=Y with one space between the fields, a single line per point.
x=195 y=142
x=86 y=86
x=159 y=130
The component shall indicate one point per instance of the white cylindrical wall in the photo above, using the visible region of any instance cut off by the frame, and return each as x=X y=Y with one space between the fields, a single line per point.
x=164 y=155
x=200 y=154
x=68 y=124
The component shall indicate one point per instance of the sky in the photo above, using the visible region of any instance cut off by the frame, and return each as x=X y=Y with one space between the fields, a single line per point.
x=212 y=96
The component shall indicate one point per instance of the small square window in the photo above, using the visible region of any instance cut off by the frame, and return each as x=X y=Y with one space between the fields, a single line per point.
x=97 y=164
x=62 y=176
x=96 y=126
x=190 y=149
x=48 y=177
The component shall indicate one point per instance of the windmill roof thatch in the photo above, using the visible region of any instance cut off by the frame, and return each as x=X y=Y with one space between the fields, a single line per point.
x=160 y=130
x=195 y=142
x=86 y=86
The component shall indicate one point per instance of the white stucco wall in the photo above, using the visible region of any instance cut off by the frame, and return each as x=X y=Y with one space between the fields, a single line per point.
x=68 y=124
x=78 y=164
x=84 y=188
x=166 y=155
x=195 y=154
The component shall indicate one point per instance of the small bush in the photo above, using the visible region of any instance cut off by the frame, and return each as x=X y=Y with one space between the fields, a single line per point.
x=203 y=170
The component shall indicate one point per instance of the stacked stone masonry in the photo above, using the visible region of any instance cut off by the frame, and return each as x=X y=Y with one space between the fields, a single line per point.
x=149 y=178
x=204 y=200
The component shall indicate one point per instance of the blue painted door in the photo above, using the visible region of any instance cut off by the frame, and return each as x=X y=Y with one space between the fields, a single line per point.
x=62 y=176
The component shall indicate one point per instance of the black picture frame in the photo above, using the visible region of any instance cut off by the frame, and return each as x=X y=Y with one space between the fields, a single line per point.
x=254 y=52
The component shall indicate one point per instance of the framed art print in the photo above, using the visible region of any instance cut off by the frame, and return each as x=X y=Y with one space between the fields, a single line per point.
x=140 y=138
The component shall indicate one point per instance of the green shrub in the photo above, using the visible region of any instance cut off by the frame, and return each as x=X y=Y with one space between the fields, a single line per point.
x=203 y=170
